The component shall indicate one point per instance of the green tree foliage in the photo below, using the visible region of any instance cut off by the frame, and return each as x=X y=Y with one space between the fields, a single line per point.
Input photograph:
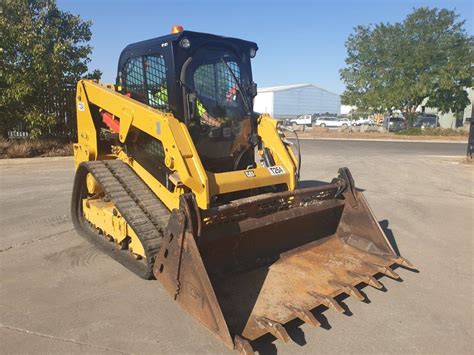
x=397 y=66
x=44 y=52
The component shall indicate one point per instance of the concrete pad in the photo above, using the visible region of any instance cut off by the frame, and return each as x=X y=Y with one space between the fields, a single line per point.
x=58 y=294
x=31 y=342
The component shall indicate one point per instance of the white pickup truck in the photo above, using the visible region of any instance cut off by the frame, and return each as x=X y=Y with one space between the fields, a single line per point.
x=302 y=120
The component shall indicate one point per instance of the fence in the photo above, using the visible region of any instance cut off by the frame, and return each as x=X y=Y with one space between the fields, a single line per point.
x=18 y=133
x=64 y=109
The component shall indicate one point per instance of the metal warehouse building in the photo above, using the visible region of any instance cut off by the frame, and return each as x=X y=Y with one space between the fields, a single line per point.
x=291 y=100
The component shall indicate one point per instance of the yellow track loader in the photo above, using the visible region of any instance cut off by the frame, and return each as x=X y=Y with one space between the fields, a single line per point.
x=179 y=180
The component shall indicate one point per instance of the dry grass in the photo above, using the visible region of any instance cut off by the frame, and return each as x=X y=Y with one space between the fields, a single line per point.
x=457 y=136
x=28 y=148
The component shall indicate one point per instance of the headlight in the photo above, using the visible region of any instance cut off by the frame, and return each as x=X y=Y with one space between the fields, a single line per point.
x=253 y=52
x=185 y=43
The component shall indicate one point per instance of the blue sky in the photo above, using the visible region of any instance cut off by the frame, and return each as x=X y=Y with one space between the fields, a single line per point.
x=299 y=41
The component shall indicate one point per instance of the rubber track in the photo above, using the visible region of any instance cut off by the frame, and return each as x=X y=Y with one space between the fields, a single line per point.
x=137 y=204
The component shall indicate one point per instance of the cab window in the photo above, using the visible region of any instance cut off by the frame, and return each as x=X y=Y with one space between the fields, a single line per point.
x=157 y=87
x=134 y=82
x=145 y=81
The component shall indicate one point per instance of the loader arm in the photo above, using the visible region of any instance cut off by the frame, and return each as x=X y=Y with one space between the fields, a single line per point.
x=181 y=156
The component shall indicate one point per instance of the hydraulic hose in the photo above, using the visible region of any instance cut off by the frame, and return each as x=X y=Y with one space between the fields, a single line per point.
x=298 y=149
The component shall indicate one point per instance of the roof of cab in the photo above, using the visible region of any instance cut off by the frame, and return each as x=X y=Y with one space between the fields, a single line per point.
x=177 y=36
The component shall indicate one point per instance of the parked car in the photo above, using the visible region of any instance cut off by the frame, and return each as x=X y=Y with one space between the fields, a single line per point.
x=302 y=120
x=397 y=124
x=426 y=122
x=331 y=122
x=362 y=121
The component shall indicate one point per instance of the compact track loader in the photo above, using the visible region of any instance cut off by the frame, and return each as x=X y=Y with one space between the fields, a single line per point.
x=179 y=180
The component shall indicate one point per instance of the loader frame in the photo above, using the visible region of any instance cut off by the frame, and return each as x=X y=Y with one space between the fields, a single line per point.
x=181 y=157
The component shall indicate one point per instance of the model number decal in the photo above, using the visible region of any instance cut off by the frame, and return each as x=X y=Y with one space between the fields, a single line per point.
x=276 y=170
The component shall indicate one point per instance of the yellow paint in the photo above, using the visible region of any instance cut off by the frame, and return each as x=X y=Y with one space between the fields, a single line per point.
x=234 y=180
x=104 y=216
x=92 y=185
x=81 y=154
x=181 y=156
x=282 y=154
x=86 y=131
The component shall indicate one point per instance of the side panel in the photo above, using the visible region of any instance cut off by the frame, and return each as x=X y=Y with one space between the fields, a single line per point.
x=181 y=155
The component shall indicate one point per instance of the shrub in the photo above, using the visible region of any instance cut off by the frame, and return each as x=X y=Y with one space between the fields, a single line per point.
x=433 y=132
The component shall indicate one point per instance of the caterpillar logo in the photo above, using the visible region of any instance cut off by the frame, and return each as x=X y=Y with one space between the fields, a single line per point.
x=249 y=173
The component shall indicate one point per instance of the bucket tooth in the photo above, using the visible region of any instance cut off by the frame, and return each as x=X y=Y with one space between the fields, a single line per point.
x=275 y=328
x=304 y=314
x=243 y=346
x=389 y=272
x=368 y=279
x=404 y=262
x=384 y=270
x=327 y=301
x=349 y=289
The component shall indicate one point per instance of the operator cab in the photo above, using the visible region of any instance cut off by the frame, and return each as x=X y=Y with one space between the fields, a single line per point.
x=206 y=82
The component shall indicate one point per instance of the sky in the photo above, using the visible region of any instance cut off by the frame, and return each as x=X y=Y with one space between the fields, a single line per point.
x=299 y=41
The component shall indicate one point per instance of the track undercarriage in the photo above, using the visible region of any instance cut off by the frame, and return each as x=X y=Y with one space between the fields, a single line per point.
x=114 y=209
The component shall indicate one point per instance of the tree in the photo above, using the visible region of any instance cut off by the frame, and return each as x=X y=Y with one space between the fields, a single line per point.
x=396 y=66
x=44 y=52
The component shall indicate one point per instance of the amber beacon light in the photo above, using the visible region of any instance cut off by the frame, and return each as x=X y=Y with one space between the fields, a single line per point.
x=177 y=29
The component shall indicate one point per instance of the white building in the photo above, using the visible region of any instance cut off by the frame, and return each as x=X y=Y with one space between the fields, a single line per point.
x=346 y=109
x=292 y=100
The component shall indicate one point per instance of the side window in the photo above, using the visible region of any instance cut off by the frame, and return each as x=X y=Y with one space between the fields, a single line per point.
x=156 y=84
x=135 y=79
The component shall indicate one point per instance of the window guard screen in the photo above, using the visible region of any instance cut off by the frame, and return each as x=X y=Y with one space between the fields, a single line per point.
x=135 y=79
x=216 y=83
x=145 y=79
x=157 y=87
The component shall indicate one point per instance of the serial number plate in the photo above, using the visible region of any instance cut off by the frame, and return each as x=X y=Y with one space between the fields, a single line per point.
x=276 y=170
